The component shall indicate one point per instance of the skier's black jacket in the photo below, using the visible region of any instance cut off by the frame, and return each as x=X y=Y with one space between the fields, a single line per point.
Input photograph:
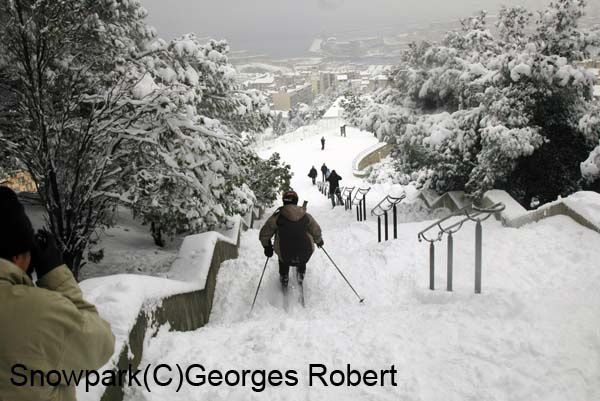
x=295 y=233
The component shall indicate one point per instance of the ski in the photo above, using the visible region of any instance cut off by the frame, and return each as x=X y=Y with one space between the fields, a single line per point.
x=286 y=301
x=301 y=294
x=300 y=290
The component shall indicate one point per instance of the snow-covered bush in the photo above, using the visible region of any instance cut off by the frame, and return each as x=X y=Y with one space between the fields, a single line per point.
x=387 y=171
x=590 y=168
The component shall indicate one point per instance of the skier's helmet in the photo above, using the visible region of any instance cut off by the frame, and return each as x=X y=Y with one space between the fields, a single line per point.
x=290 y=198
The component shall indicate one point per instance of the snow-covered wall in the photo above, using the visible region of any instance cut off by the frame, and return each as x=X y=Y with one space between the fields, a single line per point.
x=583 y=207
x=136 y=306
x=369 y=157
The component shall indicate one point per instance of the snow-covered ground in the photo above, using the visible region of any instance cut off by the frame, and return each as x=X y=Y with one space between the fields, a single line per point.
x=533 y=334
x=127 y=247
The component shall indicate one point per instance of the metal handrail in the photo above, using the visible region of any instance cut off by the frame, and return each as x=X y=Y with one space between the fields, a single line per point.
x=496 y=208
x=421 y=235
x=473 y=213
x=349 y=189
x=391 y=201
x=361 y=191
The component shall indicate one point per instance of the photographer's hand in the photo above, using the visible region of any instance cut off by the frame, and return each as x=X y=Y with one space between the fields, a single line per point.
x=46 y=256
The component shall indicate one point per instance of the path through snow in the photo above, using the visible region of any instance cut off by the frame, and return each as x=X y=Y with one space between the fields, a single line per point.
x=534 y=333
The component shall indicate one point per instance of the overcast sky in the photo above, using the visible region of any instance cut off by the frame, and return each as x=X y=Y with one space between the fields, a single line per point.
x=286 y=27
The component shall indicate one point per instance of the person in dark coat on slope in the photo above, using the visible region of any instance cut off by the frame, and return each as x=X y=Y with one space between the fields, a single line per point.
x=324 y=170
x=296 y=233
x=334 y=186
x=322 y=143
x=313 y=174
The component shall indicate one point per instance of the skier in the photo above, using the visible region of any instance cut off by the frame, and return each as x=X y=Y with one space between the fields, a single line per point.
x=334 y=187
x=322 y=143
x=296 y=232
x=48 y=327
x=313 y=174
x=324 y=170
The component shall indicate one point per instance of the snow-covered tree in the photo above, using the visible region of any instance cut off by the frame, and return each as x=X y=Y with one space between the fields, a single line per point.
x=103 y=112
x=267 y=178
x=352 y=105
x=199 y=182
x=280 y=123
x=303 y=114
x=481 y=111
x=57 y=60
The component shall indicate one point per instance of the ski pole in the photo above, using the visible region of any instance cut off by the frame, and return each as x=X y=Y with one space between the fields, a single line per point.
x=259 y=282
x=342 y=274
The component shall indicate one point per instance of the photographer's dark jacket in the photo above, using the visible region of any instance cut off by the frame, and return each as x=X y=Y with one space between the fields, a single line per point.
x=49 y=327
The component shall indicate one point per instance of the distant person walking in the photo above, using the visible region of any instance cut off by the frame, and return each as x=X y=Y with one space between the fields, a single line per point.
x=322 y=143
x=313 y=174
x=324 y=171
x=334 y=187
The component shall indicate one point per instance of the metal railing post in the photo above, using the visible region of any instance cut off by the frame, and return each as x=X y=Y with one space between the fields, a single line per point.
x=395 y=221
x=378 y=228
x=478 y=246
x=365 y=207
x=357 y=214
x=385 y=219
x=450 y=262
x=477 y=215
x=431 y=266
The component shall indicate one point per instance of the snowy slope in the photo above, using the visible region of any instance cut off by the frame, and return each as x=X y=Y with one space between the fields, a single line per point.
x=532 y=335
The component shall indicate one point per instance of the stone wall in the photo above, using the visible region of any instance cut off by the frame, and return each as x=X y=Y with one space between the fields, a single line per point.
x=183 y=312
x=369 y=157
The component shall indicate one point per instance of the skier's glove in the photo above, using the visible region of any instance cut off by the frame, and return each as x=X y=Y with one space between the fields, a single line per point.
x=45 y=256
x=320 y=244
x=269 y=251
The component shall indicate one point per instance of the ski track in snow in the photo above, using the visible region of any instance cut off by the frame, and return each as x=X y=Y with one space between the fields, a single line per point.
x=534 y=333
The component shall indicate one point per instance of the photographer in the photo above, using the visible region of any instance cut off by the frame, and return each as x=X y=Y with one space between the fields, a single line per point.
x=48 y=327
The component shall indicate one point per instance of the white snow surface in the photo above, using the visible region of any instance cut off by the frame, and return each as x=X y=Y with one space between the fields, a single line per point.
x=145 y=87
x=335 y=111
x=119 y=299
x=586 y=204
x=195 y=255
x=533 y=334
